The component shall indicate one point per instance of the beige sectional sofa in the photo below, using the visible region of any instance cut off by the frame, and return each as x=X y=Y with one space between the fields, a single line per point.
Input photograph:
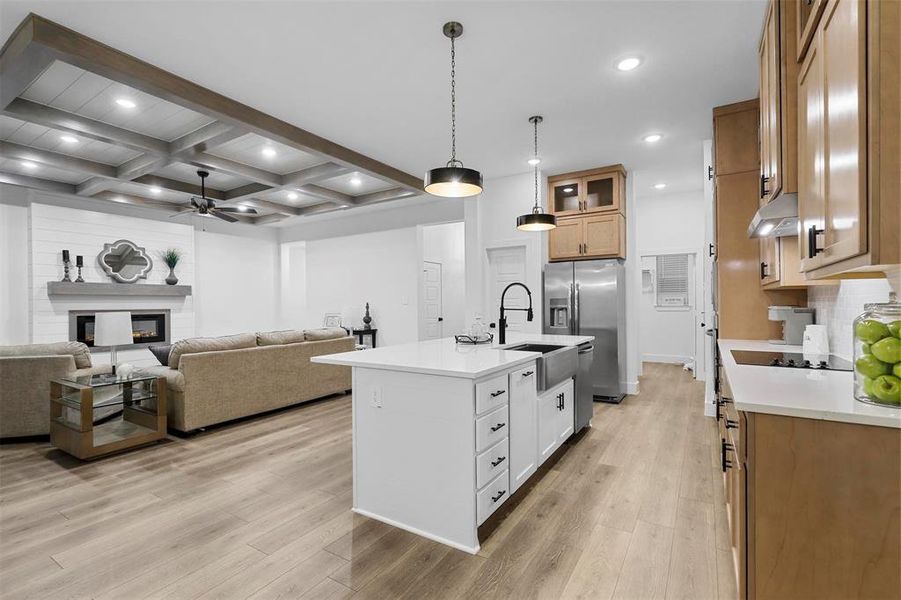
x=25 y=374
x=214 y=380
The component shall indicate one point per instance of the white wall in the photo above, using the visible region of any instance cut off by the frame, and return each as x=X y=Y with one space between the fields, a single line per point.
x=838 y=306
x=381 y=268
x=444 y=244
x=668 y=224
x=237 y=284
x=14 y=303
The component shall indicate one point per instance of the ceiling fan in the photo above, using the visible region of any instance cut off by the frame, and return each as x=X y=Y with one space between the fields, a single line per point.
x=206 y=207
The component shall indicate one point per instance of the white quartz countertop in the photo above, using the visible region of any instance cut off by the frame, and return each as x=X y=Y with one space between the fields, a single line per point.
x=445 y=357
x=807 y=393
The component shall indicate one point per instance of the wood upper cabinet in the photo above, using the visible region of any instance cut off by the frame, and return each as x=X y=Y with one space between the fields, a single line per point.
x=600 y=190
x=849 y=108
x=807 y=14
x=589 y=236
x=589 y=206
x=735 y=135
x=778 y=102
x=770 y=261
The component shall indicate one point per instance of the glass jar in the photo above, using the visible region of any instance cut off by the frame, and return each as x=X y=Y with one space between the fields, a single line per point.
x=877 y=354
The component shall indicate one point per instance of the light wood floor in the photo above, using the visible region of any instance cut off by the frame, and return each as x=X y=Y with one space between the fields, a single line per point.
x=630 y=510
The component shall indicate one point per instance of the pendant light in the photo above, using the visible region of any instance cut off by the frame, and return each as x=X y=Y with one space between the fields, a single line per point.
x=453 y=180
x=536 y=220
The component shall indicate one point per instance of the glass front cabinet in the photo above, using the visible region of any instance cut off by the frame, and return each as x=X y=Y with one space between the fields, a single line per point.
x=583 y=202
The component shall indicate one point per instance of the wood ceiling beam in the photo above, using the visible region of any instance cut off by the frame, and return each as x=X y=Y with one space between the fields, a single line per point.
x=248 y=191
x=384 y=196
x=273 y=206
x=175 y=185
x=200 y=140
x=141 y=201
x=272 y=218
x=74 y=48
x=37 y=183
x=225 y=165
x=314 y=174
x=55 y=159
x=317 y=191
x=78 y=125
x=21 y=62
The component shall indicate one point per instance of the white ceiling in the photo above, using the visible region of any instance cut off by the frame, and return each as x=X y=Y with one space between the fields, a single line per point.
x=374 y=75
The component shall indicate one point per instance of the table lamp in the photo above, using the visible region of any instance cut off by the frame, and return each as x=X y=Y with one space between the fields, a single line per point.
x=113 y=329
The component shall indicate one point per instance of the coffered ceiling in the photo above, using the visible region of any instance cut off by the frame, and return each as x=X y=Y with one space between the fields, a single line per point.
x=79 y=117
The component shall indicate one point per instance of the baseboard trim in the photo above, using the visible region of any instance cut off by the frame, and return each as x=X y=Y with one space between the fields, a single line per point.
x=674 y=359
x=631 y=387
x=434 y=538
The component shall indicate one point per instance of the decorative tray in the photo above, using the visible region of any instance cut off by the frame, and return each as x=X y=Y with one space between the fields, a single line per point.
x=470 y=339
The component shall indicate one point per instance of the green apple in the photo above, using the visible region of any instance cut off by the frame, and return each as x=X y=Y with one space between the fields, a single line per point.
x=871 y=331
x=870 y=366
x=888 y=350
x=895 y=328
x=866 y=384
x=887 y=388
x=896 y=370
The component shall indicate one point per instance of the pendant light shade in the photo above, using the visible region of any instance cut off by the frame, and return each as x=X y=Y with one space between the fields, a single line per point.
x=453 y=180
x=537 y=220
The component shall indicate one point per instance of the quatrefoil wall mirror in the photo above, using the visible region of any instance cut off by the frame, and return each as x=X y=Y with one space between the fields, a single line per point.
x=124 y=261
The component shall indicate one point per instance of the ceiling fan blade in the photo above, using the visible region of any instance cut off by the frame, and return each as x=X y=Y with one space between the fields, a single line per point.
x=180 y=212
x=215 y=212
x=234 y=209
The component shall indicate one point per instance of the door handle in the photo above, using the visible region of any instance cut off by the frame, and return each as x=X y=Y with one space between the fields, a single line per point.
x=763 y=270
x=812 y=233
x=498 y=427
x=710 y=251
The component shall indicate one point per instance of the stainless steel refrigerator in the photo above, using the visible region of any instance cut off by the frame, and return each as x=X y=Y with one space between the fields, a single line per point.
x=589 y=298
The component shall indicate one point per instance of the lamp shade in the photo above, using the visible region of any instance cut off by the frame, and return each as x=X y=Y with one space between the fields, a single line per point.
x=113 y=329
x=453 y=182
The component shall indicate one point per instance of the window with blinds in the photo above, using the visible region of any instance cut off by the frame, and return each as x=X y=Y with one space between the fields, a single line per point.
x=673 y=283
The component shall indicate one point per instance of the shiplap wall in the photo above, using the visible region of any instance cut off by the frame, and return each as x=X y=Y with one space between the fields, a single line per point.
x=53 y=228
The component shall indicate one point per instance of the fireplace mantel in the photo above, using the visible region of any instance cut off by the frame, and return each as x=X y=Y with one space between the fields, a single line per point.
x=67 y=288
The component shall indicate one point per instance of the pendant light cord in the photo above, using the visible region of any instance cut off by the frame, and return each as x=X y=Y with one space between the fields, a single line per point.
x=536 y=166
x=453 y=161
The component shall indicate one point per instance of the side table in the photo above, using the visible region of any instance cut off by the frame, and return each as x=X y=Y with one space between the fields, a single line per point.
x=73 y=401
x=363 y=332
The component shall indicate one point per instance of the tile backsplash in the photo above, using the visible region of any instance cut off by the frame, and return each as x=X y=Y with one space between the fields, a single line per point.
x=838 y=305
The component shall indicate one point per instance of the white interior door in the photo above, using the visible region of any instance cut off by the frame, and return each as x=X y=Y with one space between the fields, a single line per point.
x=507 y=265
x=431 y=300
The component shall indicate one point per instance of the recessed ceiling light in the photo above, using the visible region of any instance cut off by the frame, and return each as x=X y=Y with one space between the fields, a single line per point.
x=242 y=208
x=534 y=161
x=269 y=151
x=659 y=186
x=29 y=165
x=628 y=63
x=567 y=190
x=292 y=196
x=125 y=103
x=120 y=199
x=653 y=137
x=356 y=181
x=155 y=190
x=69 y=139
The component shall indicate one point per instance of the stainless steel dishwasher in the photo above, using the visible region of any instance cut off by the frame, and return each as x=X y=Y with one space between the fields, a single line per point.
x=584 y=408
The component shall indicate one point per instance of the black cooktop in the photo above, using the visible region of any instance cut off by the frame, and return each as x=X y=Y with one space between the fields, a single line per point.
x=790 y=360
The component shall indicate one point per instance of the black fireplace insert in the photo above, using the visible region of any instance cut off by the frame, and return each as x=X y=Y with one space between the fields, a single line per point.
x=147 y=328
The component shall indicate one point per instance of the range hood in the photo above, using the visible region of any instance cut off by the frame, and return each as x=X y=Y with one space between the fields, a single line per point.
x=779 y=218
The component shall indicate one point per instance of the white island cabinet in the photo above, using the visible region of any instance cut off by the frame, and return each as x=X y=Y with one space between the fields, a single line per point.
x=444 y=434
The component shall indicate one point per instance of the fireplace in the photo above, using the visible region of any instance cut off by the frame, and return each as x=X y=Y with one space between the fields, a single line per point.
x=148 y=327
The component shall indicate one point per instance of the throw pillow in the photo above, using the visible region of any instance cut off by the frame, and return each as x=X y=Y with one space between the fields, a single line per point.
x=161 y=353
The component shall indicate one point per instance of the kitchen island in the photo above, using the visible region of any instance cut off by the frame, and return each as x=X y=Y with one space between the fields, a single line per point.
x=443 y=433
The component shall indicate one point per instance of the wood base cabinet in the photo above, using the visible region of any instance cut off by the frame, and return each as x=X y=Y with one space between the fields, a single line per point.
x=814 y=506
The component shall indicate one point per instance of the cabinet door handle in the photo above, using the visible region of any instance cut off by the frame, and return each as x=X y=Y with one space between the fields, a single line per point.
x=498 y=393
x=731 y=424
x=812 y=233
x=500 y=495
x=710 y=251
x=528 y=373
x=495 y=463
x=763 y=181
x=498 y=427
x=725 y=447
x=763 y=270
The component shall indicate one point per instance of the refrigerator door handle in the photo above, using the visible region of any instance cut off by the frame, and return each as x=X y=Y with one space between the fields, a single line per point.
x=576 y=315
x=572 y=310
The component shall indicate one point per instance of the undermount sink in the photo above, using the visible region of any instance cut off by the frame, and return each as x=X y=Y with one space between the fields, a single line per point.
x=543 y=348
x=556 y=363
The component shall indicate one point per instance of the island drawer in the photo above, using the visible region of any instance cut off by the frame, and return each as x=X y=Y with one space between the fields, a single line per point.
x=491 y=462
x=491 y=393
x=491 y=428
x=494 y=494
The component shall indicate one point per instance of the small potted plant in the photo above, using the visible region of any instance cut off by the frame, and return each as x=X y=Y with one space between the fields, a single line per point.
x=171 y=256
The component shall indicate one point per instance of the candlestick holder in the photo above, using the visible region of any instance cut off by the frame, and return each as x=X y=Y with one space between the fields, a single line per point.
x=79 y=279
x=66 y=277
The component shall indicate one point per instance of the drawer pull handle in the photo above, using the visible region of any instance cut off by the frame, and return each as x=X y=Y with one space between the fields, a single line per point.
x=498 y=393
x=528 y=373
x=500 y=495
x=731 y=424
x=498 y=427
x=495 y=463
